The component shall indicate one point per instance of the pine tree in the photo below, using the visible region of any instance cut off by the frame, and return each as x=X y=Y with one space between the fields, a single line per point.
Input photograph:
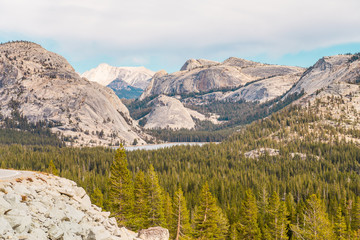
x=181 y=228
x=316 y=223
x=290 y=207
x=141 y=208
x=155 y=199
x=262 y=209
x=248 y=225
x=97 y=198
x=276 y=219
x=121 y=189
x=168 y=211
x=209 y=221
x=233 y=232
x=52 y=169
x=355 y=223
x=340 y=225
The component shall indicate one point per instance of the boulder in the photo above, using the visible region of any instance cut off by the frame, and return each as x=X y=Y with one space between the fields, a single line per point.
x=154 y=233
x=55 y=232
x=5 y=227
x=98 y=233
x=4 y=206
x=19 y=220
x=37 y=233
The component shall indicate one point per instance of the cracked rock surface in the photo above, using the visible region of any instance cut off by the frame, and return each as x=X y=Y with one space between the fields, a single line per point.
x=40 y=206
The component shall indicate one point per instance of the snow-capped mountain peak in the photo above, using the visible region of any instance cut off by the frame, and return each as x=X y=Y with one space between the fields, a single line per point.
x=104 y=74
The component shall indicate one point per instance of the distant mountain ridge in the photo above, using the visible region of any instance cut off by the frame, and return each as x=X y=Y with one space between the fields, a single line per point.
x=127 y=82
x=205 y=83
x=204 y=75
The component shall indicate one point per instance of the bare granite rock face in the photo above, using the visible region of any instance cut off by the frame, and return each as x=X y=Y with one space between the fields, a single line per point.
x=168 y=112
x=44 y=86
x=39 y=206
x=329 y=74
x=204 y=75
x=197 y=63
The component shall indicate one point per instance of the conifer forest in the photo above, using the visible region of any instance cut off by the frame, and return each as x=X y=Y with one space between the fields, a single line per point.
x=288 y=176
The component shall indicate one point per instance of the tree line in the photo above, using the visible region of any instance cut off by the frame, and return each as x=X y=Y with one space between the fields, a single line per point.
x=141 y=202
x=325 y=178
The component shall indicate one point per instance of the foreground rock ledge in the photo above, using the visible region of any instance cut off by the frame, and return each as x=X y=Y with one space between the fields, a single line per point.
x=38 y=206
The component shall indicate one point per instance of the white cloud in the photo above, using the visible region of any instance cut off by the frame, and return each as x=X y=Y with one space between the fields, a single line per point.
x=253 y=27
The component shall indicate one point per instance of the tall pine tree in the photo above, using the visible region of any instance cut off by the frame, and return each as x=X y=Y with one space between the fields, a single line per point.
x=276 y=219
x=316 y=224
x=248 y=227
x=155 y=199
x=355 y=222
x=209 y=220
x=121 y=189
x=168 y=211
x=340 y=225
x=141 y=207
x=181 y=229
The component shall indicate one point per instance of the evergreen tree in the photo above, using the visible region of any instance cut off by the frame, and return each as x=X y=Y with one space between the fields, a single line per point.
x=316 y=223
x=181 y=228
x=141 y=207
x=340 y=225
x=262 y=209
x=155 y=199
x=97 y=198
x=52 y=169
x=121 y=189
x=291 y=207
x=233 y=232
x=355 y=223
x=168 y=211
x=209 y=221
x=248 y=225
x=276 y=219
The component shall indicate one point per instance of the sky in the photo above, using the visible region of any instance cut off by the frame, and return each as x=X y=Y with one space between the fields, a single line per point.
x=163 y=34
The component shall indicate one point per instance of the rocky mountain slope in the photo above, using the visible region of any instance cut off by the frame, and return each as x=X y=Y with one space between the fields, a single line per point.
x=37 y=206
x=329 y=74
x=128 y=82
x=44 y=87
x=168 y=112
x=204 y=82
x=204 y=75
x=258 y=91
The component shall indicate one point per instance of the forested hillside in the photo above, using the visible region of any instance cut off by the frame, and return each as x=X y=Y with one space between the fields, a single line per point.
x=18 y=130
x=232 y=115
x=263 y=181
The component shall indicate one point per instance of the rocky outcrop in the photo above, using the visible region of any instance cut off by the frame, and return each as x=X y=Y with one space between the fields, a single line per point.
x=168 y=112
x=36 y=206
x=204 y=75
x=256 y=153
x=261 y=91
x=154 y=233
x=197 y=63
x=43 y=86
x=328 y=74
